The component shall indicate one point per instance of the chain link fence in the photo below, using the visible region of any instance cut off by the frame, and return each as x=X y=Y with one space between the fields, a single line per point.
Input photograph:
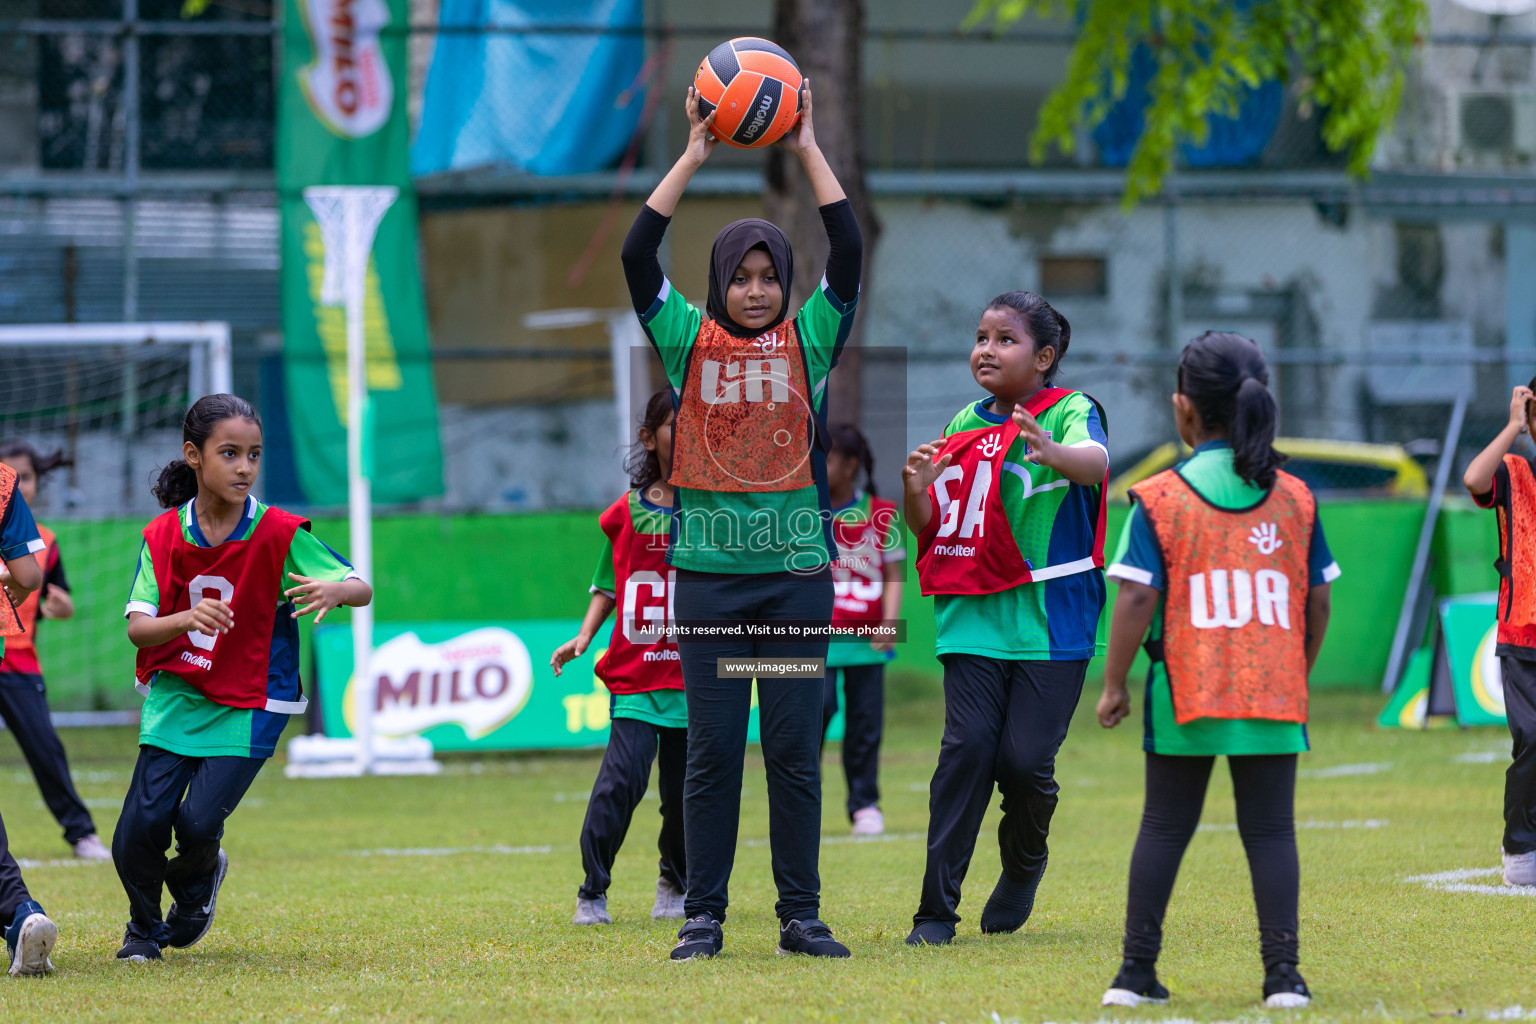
x=136 y=155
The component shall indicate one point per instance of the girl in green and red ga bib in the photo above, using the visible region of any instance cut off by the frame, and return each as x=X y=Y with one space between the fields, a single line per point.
x=641 y=668
x=866 y=588
x=221 y=581
x=1008 y=509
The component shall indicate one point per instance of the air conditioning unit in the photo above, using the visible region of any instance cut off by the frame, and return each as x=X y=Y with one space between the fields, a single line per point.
x=1493 y=128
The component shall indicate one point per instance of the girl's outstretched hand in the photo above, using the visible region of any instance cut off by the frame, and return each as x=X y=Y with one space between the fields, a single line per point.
x=701 y=142
x=924 y=466
x=568 y=651
x=801 y=139
x=1034 y=435
x=318 y=596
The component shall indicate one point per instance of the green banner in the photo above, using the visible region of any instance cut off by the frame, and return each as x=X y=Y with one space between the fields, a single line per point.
x=342 y=121
x=1470 y=627
x=1456 y=675
x=477 y=686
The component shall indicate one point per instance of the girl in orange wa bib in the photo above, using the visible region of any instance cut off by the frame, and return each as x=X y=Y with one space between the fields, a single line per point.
x=1223 y=567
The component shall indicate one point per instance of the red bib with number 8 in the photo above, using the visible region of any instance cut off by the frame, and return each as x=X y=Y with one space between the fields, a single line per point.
x=227 y=668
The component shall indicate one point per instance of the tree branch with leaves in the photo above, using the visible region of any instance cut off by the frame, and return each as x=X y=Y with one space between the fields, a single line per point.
x=1343 y=59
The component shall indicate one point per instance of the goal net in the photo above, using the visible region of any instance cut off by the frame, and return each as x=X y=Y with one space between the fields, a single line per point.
x=111 y=398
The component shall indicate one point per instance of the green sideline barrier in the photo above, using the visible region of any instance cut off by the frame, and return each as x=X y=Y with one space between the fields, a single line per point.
x=459 y=568
x=474 y=685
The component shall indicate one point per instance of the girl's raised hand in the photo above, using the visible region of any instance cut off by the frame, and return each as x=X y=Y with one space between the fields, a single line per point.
x=211 y=617
x=924 y=466
x=568 y=651
x=802 y=137
x=318 y=596
x=1517 y=406
x=701 y=142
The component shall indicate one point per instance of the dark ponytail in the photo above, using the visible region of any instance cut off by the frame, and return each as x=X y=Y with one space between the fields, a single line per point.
x=177 y=483
x=642 y=464
x=1225 y=377
x=1046 y=327
x=42 y=465
x=849 y=440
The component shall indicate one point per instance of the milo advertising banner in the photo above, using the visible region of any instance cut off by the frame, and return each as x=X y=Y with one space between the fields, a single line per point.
x=1458 y=675
x=342 y=121
x=476 y=685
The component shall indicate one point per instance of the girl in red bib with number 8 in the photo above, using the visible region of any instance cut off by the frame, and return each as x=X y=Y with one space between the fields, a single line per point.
x=222 y=579
x=1008 y=509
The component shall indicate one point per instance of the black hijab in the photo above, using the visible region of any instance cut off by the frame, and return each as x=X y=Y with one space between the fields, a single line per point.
x=732 y=244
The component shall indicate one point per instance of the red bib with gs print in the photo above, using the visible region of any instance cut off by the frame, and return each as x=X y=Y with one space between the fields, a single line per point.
x=858 y=575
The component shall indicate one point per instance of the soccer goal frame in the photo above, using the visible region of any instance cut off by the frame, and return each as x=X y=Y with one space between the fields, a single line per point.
x=209 y=357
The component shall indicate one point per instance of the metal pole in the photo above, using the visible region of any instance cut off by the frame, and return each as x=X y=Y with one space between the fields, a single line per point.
x=130 y=160
x=1175 y=295
x=359 y=487
x=1400 y=637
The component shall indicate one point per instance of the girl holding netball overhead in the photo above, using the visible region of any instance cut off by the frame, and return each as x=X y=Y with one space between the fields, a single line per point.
x=221 y=581
x=1008 y=509
x=1223 y=567
x=648 y=712
x=752 y=538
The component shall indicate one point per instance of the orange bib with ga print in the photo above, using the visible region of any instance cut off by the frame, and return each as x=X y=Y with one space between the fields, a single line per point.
x=744 y=419
x=10 y=622
x=1234 y=622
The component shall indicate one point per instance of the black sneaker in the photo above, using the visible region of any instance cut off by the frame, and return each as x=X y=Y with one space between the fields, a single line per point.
x=810 y=937
x=1010 y=903
x=1284 y=988
x=1135 y=984
x=138 y=951
x=699 y=938
x=932 y=933
x=189 y=924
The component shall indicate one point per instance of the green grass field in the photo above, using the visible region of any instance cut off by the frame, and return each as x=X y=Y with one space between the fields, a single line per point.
x=450 y=898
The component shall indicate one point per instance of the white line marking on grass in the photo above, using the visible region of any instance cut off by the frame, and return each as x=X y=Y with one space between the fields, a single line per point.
x=1310 y=824
x=72 y=862
x=1515 y=1012
x=918 y=787
x=1340 y=771
x=1457 y=881
x=1481 y=757
x=447 y=851
x=888 y=837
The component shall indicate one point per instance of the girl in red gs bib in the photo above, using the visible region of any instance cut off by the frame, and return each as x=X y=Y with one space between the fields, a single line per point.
x=866 y=581
x=647 y=709
x=222 y=579
x=1008 y=509
x=1223 y=566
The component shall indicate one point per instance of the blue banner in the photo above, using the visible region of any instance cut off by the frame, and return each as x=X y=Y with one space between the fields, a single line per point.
x=545 y=101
